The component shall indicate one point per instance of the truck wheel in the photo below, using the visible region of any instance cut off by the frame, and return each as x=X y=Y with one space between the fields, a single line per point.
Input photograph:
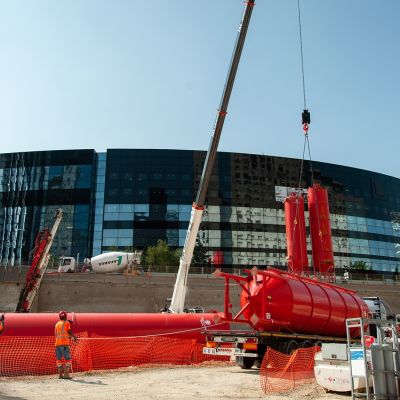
x=291 y=346
x=257 y=363
x=318 y=344
x=306 y=343
x=245 y=362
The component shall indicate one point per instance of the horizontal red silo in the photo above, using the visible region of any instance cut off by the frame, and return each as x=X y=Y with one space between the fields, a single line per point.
x=284 y=302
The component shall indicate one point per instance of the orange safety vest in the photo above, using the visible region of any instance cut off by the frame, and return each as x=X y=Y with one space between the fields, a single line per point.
x=1 y=327
x=61 y=333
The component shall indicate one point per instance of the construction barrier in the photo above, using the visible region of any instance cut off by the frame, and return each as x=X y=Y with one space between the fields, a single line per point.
x=35 y=355
x=281 y=373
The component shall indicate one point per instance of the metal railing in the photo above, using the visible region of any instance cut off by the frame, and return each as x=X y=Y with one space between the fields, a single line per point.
x=18 y=273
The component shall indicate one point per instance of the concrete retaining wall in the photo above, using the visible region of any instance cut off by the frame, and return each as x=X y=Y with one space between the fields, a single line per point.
x=118 y=293
x=11 y=283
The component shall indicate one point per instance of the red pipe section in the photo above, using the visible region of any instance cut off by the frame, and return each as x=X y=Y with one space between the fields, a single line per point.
x=296 y=234
x=187 y=326
x=320 y=227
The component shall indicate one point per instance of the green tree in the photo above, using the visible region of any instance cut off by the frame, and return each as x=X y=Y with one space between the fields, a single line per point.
x=199 y=254
x=162 y=255
x=360 y=265
x=53 y=261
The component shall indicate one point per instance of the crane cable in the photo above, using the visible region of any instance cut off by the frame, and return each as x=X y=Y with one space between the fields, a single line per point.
x=306 y=120
x=301 y=55
x=305 y=116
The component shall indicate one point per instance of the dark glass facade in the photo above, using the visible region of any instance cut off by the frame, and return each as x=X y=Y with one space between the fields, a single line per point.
x=33 y=186
x=132 y=198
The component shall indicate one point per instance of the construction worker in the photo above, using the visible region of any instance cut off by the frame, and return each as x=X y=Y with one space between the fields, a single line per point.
x=63 y=333
x=2 y=319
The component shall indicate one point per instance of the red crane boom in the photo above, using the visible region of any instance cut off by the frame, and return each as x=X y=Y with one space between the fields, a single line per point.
x=34 y=277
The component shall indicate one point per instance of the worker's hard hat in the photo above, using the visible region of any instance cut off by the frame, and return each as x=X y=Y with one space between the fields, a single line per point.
x=62 y=314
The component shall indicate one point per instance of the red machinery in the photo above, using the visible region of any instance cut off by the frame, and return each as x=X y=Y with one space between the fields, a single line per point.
x=320 y=228
x=34 y=277
x=187 y=326
x=277 y=301
x=296 y=234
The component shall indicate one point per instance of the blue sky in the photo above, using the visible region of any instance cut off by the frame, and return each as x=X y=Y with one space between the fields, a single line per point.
x=149 y=74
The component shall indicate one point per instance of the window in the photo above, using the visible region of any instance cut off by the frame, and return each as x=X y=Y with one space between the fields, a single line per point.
x=110 y=233
x=110 y=242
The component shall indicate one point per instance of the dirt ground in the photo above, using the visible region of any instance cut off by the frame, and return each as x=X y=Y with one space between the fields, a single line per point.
x=214 y=381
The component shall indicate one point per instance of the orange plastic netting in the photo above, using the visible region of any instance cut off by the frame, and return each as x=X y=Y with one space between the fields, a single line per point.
x=20 y=356
x=281 y=372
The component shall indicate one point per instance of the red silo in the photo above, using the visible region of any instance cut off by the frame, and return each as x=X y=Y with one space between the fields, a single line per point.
x=320 y=227
x=296 y=234
x=277 y=301
x=218 y=258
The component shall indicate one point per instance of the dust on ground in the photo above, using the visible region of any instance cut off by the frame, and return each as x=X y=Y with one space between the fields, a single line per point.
x=214 y=381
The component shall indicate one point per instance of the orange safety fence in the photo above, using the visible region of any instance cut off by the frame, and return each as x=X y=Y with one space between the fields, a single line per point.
x=282 y=372
x=35 y=355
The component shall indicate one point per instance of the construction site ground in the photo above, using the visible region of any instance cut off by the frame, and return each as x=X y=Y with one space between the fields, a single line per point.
x=213 y=381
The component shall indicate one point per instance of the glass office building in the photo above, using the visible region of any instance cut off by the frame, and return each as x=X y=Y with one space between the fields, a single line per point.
x=128 y=199
x=33 y=186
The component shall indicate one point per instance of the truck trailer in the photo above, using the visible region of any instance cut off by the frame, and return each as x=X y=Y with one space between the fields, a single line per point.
x=286 y=311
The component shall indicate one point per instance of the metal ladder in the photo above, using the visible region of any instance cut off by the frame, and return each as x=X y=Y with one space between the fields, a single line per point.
x=360 y=359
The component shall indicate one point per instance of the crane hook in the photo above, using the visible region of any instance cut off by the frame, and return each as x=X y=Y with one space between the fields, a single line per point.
x=305 y=120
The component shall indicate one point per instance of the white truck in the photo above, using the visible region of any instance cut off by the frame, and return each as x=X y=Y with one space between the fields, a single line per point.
x=115 y=261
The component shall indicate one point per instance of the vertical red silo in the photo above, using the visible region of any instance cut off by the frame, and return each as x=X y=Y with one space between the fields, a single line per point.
x=320 y=227
x=296 y=234
x=218 y=258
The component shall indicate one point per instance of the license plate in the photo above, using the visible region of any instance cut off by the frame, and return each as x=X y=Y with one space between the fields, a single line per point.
x=227 y=351
x=221 y=351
